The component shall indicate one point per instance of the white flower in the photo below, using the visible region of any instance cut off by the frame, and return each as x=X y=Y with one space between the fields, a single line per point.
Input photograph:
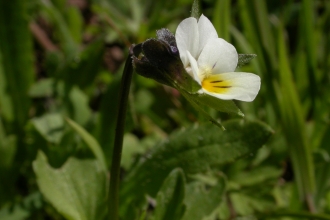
x=211 y=61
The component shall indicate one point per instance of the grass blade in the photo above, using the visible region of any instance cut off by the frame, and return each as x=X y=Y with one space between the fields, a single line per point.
x=293 y=126
x=16 y=50
x=90 y=141
x=221 y=18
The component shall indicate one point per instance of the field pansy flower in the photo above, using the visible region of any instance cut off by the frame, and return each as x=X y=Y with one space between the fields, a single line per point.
x=211 y=61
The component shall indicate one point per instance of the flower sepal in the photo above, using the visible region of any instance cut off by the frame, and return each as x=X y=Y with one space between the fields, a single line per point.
x=201 y=100
x=244 y=59
x=159 y=60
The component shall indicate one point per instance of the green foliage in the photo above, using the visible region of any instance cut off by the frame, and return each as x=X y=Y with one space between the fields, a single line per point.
x=77 y=190
x=194 y=149
x=293 y=121
x=24 y=209
x=7 y=148
x=170 y=197
x=201 y=202
x=221 y=18
x=289 y=72
x=50 y=126
x=16 y=58
x=90 y=142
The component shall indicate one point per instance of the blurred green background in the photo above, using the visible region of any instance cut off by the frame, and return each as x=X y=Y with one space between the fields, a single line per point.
x=64 y=59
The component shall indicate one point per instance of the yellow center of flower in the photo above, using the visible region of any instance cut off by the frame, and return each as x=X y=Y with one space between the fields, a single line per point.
x=215 y=83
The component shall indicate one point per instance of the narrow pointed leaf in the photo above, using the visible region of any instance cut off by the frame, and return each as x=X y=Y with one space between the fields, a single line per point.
x=195 y=9
x=17 y=60
x=202 y=111
x=170 y=197
x=244 y=59
x=221 y=18
x=293 y=124
x=90 y=141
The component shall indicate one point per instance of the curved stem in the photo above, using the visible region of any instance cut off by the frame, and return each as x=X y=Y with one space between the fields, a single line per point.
x=118 y=142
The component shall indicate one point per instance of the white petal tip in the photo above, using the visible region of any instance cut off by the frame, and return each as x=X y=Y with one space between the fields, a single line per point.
x=235 y=85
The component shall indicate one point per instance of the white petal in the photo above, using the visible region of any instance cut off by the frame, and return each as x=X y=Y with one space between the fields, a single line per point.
x=194 y=67
x=206 y=32
x=219 y=55
x=242 y=86
x=187 y=39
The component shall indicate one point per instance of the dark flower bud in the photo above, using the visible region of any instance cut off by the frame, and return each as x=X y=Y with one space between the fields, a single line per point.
x=159 y=59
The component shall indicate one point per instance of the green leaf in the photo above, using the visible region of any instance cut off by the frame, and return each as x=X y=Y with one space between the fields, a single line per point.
x=296 y=215
x=264 y=28
x=42 y=89
x=50 y=126
x=195 y=9
x=170 y=197
x=108 y=116
x=75 y=23
x=90 y=142
x=17 y=57
x=200 y=100
x=293 y=123
x=8 y=165
x=322 y=168
x=83 y=68
x=23 y=209
x=8 y=145
x=201 y=202
x=62 y=29
x=131 y=147
x=309 y=38
x=202 y=110
x=6 y=105
x=77 y=190
x=195 y=149
x=221 y=18
x=256 y=175
x=79 y=105
x=8 y=150
x=249 y=203
x=227 y=106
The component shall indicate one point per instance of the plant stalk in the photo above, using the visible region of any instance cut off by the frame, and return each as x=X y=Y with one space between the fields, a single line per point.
x=119 y=135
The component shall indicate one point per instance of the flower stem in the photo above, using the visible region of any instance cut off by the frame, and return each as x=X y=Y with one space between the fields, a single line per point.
x=119 y=135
